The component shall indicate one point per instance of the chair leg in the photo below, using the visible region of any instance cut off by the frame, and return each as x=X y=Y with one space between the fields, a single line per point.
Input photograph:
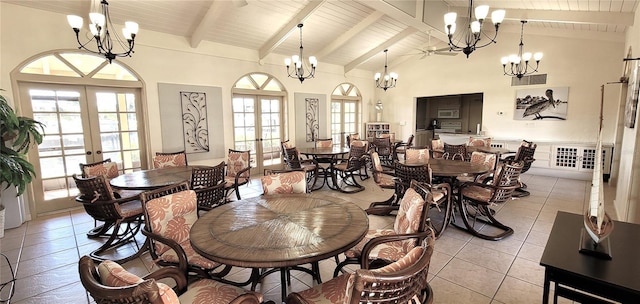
x=483 y=214
x=117 y=239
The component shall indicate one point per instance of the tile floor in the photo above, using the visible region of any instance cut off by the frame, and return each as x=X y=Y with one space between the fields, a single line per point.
x=464 y=269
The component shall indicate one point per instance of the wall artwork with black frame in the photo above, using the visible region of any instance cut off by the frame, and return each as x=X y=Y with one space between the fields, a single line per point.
x=550 y=103
x=631 y=108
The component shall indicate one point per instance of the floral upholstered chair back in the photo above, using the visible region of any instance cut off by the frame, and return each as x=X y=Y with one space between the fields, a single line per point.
x=284 y=183
x=106 y=168
x=172 y=217
x=479 y=141
x=417 y=155
x=324 y=143
x=482 y=158
x=237 y=163
x=173 y=159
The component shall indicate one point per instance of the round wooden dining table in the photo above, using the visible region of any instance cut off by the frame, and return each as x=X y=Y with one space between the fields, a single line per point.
x=152 y=179
x=326 y=156
x=279 y=231
x=449 y=168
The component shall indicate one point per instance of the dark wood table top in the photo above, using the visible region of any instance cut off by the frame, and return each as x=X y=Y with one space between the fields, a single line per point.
x=450 y=168
x=621 y=272
x=279 y=230
x=152 y=179
x=494 y=150
x=324 y=151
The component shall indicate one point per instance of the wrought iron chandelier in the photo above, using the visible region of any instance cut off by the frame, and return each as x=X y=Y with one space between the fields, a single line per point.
x=468 y=41
x=520 y=63
x=389 y=79
x=105 y=40
x=298 y=68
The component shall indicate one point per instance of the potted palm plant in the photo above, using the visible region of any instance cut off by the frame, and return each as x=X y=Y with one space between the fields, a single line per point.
x=17 y=135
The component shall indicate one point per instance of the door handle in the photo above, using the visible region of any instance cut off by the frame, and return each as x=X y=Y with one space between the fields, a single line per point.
x=88 y=152
x=98 y=152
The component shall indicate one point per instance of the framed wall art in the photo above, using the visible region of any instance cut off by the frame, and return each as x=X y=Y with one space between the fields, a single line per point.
x=631 y=106
x=548 y=103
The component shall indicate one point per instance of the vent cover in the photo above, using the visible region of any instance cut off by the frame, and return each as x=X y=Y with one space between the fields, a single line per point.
x=529 y=80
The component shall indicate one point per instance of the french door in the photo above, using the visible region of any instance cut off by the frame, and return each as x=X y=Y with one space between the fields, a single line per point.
x=82 y=125
x=343 y=120
x=258 y=127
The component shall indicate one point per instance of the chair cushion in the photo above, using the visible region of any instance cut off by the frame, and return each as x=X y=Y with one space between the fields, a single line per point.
x=409 y=259
x=284 y=183
x=129 y=209
x=236 y=162
x=409 y=213
x=330 y=292
x=173 y=160
x=114 y=275
x=193 y=257
x=109 y=170
x=477 y=193
x=172 y=216
x=417 y=154
x=213 y=292
x=230 y=181
x=386 y=181
x=389 y=251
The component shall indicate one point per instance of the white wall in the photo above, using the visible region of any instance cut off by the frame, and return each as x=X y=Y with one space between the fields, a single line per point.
x=581 y=65
x=627 y=191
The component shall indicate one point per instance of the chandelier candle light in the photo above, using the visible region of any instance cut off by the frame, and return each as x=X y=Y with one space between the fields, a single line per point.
x=472 y=33
x=389 y=79
x=520 y=63
x=297 y=71
x=99 y=27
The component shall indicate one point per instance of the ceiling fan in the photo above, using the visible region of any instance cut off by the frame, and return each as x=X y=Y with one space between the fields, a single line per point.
x=433 y=50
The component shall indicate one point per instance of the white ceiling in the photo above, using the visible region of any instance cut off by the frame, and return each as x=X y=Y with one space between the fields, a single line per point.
x=349 y=33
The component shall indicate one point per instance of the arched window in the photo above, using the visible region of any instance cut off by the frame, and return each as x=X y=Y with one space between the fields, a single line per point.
x=345 y=112
x=258 y=119
x=92 y=112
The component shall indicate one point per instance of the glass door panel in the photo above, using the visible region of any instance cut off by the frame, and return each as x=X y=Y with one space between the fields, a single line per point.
x=82 y=125
x=343 y=120
x=264 y=128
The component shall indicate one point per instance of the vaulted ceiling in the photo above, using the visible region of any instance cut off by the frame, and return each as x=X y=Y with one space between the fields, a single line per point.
x=348 y=33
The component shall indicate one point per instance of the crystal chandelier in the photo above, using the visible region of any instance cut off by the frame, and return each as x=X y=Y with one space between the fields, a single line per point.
x=520 y=63
x=105 y=40
x=297 y=70
x=389 y=79
x=467 y=42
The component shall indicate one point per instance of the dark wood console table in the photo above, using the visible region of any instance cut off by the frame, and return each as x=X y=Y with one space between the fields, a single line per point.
x=617 y=279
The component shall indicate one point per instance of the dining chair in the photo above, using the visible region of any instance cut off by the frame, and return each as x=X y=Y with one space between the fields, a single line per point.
x=455 y=152
x=122 y=217
x=401 y=147
x=417 y=155
x=110 y=282
x=293 y=161
x=104 y=167
x=238 y=171
x=344 y=172
x=479 y=141
x=364 y=173
x=109 y=170
x=170 y=159
x=441 y=208
x=208 y=183
x=437 y=148
x=169 y=213
x=489 y=160
x=284 y=182
x=351 y=137
x=525 y=154
x=474 y=199
x=385 y=179
x=324 y=143
x=390 y=245
x=385 y=152
x=402 y=281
